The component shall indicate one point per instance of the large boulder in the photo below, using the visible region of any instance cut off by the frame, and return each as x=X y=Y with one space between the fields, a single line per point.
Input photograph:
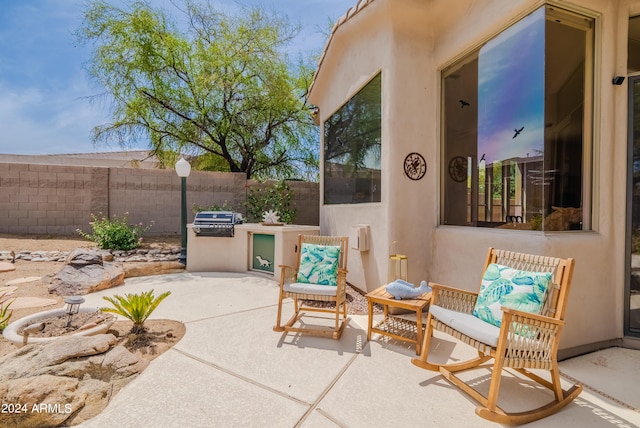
x=65 y=381
x=85 y=272
x=134 y=269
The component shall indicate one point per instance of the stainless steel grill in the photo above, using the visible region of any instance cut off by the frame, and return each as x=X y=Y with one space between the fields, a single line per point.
x=216 y=223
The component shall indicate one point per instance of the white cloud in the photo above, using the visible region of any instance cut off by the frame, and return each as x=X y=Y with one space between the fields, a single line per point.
x=45 y=121
x=43 y=89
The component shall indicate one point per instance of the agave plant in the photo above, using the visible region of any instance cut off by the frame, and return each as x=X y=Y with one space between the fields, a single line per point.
x=5 y=313
x=135 y=307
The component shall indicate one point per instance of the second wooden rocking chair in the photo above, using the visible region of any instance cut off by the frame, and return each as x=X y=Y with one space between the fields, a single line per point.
x=522 y=340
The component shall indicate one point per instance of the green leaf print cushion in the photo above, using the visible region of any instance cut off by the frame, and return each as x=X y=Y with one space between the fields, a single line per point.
x=319 y=264
x=512 y=288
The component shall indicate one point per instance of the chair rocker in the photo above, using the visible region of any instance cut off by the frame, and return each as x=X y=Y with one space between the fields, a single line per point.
x=523 y=341
x=297 y=283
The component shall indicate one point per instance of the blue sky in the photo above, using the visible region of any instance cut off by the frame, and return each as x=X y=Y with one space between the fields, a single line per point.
x=511 y=91
x=43 y=87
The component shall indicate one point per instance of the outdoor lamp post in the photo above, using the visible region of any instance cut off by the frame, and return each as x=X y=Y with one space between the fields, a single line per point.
x=183 y=169
x=73 y=307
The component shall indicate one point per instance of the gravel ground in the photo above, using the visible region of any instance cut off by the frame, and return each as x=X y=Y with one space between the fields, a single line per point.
x=356 y=303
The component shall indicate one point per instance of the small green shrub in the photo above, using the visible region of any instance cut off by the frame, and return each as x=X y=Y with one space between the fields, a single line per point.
x=115 y=233
x=276 y=197
x=5 y=313
x=135 y=307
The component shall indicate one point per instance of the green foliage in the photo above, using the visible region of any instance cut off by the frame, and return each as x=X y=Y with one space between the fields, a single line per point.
x=536 y=222
x=497 y=179
x=5 y=313
x=216 y=86
x=135 y=307
x=276 y=197
x=635 y=241
x=115 y=233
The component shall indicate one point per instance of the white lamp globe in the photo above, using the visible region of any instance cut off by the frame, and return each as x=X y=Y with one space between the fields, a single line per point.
x=183 y=168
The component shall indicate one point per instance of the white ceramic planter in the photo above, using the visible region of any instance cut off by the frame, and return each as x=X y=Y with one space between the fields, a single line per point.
x=11 y=332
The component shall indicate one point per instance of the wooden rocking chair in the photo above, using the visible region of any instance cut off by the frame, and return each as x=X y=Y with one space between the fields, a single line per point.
x=523 y=341
x=297 y=286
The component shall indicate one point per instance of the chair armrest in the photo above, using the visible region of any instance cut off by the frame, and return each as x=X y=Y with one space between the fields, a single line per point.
x=288 y=274
x=286 y=267
x=341 y=282
x=529 y=340
x=453 y=298
x=529 y=317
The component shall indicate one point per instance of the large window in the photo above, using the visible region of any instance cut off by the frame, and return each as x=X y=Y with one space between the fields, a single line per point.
x=516 y=139
x=352 y=148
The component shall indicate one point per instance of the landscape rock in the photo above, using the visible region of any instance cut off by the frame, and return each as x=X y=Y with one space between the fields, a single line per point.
x=85 y=272
x=6 y=267
x=83 y=257
x=107 y=257
x=65 y=381
x=72 y=281
x=31 y=302
x=143 y=255
x=132 y=270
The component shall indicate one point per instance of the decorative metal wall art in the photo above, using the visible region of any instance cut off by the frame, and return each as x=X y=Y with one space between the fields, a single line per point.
x=415 y=166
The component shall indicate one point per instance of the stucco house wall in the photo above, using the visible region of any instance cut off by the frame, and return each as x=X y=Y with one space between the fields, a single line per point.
x=410 y=42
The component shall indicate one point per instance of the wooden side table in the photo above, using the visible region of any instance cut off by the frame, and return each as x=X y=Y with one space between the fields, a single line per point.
x=394 y=326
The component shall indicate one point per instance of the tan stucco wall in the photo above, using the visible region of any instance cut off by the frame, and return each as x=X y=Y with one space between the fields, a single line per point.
x=411 y=42
x=356 y=65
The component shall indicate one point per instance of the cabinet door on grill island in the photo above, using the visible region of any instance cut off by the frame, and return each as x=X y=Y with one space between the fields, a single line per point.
x=263 y=252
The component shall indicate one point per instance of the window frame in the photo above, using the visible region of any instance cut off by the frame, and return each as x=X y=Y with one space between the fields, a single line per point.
x=377 y=74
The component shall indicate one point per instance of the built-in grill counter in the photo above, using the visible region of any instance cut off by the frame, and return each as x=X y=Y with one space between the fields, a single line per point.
x=216 y=223
x=250 y=247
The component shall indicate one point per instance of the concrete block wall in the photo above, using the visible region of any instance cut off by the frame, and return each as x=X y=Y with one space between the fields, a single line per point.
x=59 y=199
x=50 y=199
x=217 y=188
x=155 y=195
x=306 y=200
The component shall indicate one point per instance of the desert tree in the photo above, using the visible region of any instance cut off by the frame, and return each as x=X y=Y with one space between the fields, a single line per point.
x=216 y=86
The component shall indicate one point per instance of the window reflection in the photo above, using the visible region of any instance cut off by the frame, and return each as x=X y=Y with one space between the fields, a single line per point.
x=511 y=92
x=352 y=137
x=515 y=109
x=511 y=118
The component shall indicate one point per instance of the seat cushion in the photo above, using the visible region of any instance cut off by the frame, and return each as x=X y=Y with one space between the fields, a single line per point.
x=517 y=289
x=304 y=288
x=468 y=325
x=318 y=264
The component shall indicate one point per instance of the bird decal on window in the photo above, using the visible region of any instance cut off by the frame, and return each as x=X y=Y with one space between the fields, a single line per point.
x=518 y=131
x=463 y=103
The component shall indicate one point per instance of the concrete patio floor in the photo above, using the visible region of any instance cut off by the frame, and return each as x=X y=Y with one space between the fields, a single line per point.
x=232 y=369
